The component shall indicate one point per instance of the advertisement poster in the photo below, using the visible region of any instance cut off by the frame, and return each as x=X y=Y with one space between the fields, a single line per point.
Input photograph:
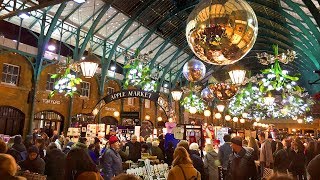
x=220 y=133
x=130 y=118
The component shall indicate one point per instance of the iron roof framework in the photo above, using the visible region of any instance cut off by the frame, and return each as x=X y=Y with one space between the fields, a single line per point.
x=112 y=27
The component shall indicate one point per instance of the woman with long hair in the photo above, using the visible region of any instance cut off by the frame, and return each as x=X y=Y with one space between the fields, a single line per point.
x=182 y=166
x=253 y=144
x=80 y=166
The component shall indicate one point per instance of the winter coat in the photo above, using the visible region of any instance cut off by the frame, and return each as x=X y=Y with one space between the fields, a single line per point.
x=134 y=151
x=211 y=163
x=266 y=156
x=241 y=166
x=224 y=152
x=309 y=155
x=18 y=152
x=169 y=156
x=111 y=164
x=313 y=168
x=89 y=175
x=37 y=165
x=281 y=161
x=177 y=172
x=55 y=164
x=197 y=161
x=80 y=145
x=94 y=156
x=297 y=165
x=156 y=151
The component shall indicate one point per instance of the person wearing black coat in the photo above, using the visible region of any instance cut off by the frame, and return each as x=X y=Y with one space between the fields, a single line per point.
x=18 y=150
x=134 y=149
x=33 y=163
x=298 y=163
x=241 y=165
x=55 y=163
x=280 y=159
x=313 y=168
x=169 y=153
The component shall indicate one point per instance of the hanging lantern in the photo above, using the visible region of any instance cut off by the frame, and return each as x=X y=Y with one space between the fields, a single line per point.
x=147 y=117
x=207 y=113
x=116 y=114
x=220 y=107
x=159 y=118
x=217 y=115
x=235 y=119
x=176 y=93
x=294 y=118
x=89 y=64
x=193 y=110
x=221 y=32
x=237 y=76
x=227 y=117
x=300 y=121
x=245 y=115
x=242 y=121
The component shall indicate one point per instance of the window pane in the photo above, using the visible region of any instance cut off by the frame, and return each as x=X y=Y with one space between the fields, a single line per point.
x=15 y=70
x=10 y=69
x=4 y=76
x=5 y=68
x=14 y=80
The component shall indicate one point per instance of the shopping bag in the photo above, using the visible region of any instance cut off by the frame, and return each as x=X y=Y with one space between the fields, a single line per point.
x=267 y=172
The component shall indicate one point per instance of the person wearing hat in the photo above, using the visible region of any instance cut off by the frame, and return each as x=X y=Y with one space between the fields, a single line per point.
x=111 y=160
x=33 y=163
x=241 y=165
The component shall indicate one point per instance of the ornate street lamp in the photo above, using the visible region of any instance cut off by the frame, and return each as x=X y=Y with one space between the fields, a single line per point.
x=237 y=76
x=176 y=93
x=89 y=64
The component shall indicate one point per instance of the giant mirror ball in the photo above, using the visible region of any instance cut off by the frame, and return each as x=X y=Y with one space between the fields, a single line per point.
x=221 y=32
x=207 y=95
x=194 y=70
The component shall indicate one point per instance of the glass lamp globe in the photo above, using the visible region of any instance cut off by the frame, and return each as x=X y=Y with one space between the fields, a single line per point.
x=207 y=113
x=147 y=117
x=235 y=119
x=116 y=114
x=193 y=110
x=300 y=121
x=227 y=117
x=159 y=118
x=217 y=115
x=176 y=94
x=242 y=121
x=220 y=107
x=221 y=32
x=237 y=76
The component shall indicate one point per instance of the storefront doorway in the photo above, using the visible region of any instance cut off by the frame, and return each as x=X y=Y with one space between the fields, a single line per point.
x=11 y=121
x=48 y=121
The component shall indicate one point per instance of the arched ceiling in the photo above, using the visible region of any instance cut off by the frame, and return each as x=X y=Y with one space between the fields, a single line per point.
x=159 y=26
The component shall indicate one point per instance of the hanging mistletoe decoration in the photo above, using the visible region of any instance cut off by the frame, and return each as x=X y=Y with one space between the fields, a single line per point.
x=66 y=81
x=274 y=95
x=138 y=73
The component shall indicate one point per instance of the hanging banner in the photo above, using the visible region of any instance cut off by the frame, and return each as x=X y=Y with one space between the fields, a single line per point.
x=152 y=96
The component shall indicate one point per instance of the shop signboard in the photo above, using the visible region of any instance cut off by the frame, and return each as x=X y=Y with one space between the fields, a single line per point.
x=152 y=96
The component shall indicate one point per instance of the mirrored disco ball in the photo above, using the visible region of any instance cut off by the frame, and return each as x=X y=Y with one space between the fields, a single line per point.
x=194 y=70
x=222 y=32
x=207 y=95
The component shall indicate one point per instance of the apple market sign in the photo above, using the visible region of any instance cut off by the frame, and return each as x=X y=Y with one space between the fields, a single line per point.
x=152 y=96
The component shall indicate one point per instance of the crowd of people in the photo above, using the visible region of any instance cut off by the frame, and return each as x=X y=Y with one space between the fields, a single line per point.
x=237 y=159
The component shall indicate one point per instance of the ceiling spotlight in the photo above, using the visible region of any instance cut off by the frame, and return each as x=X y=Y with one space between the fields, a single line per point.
x=24 y=15
x=51 y=47
x=79 y=1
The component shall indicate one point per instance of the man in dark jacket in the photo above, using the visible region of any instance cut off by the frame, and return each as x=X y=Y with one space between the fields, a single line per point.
x=224 y=152
x=241 y=165
x=18 y=151
x=55 y=163
x=134 y=149
x=111 y=159
x=33 y=163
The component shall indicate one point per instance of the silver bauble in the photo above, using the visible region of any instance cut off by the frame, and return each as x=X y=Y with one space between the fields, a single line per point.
x=194 y=70
x=221 y=32
x=207 y=95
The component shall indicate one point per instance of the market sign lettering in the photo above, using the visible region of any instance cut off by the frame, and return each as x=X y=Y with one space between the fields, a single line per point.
x=50 y=101
x=131 y=93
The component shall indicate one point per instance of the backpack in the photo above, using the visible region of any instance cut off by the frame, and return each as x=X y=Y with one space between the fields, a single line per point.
x=17 y=155
x=185 y=177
